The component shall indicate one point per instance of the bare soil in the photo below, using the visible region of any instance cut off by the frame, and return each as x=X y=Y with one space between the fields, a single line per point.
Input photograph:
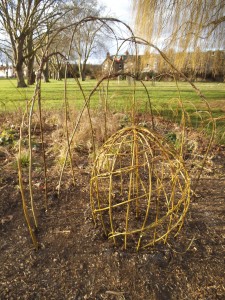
x=76 y=261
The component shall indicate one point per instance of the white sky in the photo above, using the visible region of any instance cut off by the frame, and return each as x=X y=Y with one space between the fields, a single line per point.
x=121 y=9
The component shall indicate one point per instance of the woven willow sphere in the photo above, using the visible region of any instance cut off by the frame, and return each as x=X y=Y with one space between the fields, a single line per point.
x=140 y=189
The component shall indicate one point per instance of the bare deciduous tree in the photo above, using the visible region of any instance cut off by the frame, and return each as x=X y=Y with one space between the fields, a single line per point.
x=88 y=38
x=24 y=24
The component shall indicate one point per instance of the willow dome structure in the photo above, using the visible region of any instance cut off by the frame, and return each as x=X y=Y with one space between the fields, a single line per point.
x=140 y=189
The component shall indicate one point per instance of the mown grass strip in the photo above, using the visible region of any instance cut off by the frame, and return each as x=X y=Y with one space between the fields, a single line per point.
x=120 y=94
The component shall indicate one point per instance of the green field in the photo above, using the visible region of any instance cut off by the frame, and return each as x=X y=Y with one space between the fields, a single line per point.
x=119 y=93
x=164 y=97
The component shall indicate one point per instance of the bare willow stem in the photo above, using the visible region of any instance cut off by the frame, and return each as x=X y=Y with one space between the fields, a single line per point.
x=160 y=200
x=43 y=147
x=20 y=177
x=31 y=156
x=67 y=112
x=142 y=41
x=85 y=106
x=67 y=130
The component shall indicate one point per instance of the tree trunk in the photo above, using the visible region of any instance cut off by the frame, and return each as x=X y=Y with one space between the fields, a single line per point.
x=83 y=77
x=82 y=68
x=20 y=76
x=19 y=60
x=58 y=76
x=30 y=71
x=46 y=73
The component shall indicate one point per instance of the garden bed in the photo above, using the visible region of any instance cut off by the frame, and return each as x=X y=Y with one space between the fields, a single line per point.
x=76 y=261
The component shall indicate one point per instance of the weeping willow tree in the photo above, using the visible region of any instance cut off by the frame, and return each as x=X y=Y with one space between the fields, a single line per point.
x=185 y=26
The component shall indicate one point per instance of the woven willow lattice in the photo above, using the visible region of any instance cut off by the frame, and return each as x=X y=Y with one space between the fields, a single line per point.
x=140 y=189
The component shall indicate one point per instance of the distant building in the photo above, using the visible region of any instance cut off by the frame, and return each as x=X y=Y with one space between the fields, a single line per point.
x=113 y=64
x=6 y=71
x=120 y=63
x=208 y=65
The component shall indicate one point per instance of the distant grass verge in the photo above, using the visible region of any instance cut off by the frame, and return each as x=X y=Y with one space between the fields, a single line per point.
x=119 y=98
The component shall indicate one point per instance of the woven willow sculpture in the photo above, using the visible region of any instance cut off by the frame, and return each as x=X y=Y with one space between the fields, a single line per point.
x=140 y=190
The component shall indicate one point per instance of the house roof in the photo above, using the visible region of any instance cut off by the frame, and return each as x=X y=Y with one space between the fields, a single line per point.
x=3 y=68
x=117 y=58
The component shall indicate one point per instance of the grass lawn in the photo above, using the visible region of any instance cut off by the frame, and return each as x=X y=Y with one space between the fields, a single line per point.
x=164 y=97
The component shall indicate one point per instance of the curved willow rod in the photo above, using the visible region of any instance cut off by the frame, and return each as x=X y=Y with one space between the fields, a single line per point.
x=21 y=186
x=66 y=114
x=69 y=140
x=30 y=153
x=142 y=41
x=43 y=148
x=135 y=40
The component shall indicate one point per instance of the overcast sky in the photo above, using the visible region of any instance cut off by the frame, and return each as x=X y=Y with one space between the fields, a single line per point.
x=121 y=9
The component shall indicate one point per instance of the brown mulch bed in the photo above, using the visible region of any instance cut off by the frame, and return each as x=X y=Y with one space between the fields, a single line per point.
x=76 y=261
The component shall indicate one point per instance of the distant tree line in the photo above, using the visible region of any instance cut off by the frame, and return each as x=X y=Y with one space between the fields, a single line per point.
x=191 y=33
x=29 y=29
x=197 y=65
